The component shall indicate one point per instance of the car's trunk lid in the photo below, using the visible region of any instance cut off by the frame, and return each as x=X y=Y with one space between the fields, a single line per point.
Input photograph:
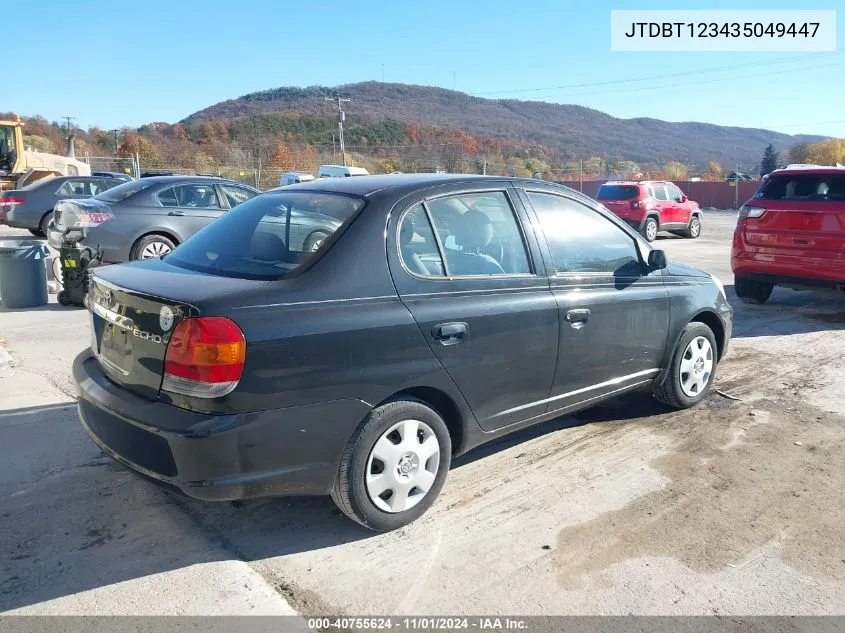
x=131 y=321
x=817 y=227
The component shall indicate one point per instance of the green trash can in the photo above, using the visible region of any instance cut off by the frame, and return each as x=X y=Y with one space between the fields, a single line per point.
x=23 y=273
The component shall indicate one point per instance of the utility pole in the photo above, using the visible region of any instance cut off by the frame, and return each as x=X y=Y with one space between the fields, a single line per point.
x=382 y=73
x=70 y=136
x=341 y=117
x=116 y=140
x=736 y=187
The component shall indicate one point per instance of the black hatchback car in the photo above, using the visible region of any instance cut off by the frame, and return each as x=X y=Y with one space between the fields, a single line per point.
x=441 y=312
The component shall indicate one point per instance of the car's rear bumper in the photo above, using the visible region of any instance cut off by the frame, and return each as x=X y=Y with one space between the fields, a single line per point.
x=783 y=269
x=287 y=451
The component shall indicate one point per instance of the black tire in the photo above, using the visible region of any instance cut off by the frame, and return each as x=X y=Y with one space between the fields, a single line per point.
x=314 y=239
x=62 y=298
x=350 y=492
x=670 y=391
x=694 y=229
x=753 y=292
x=44 y=225
x=649 y=228
x=36 y=232
x=147 y=240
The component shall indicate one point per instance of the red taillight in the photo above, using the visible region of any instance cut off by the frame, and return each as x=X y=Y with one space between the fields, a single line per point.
x=747 y=211
x=11 y=200
x=204 y=358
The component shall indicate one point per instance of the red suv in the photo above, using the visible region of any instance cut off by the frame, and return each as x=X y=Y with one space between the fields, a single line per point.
x=791 y=233
x=651 y=206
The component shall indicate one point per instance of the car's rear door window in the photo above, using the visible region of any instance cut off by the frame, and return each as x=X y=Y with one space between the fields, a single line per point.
x=418 y=245
x=581 y=240
x=268 y=236
x=79 y=187
x=480 y=234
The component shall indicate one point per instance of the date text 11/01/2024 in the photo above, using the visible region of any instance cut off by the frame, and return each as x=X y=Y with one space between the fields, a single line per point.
x=422 y=623
x=726 y=29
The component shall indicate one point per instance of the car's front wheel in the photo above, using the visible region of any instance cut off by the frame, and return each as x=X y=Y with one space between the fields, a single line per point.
x=394 y=466
x=649 y=229
x=754 y=292
x=691 y=370
x=694 y=228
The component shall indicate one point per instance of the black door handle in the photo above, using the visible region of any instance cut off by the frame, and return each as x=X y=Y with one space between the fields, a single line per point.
x=449 y=333
x=577 y=318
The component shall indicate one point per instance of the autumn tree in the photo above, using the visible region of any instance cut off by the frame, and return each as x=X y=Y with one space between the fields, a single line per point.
x=676 y=171
x=715 y=170
x=799 y=153
x=282 y=159
x=136 y=144
x=830 y=152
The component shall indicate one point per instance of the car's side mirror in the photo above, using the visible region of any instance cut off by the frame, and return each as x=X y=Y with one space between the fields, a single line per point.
x=684 y=198
x=656 y=260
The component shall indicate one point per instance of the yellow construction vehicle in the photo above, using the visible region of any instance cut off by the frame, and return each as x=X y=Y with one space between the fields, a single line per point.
x=20 y=166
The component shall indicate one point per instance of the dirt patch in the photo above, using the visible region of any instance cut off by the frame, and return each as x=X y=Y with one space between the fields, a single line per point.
x=740 y=477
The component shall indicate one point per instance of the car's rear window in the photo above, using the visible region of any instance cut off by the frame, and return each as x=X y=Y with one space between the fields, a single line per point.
x=123 y=191
x=617 y=192
x=798 y=187
x=268 y=236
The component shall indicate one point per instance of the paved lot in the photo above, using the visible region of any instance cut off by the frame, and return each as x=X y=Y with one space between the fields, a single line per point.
x=734 y=507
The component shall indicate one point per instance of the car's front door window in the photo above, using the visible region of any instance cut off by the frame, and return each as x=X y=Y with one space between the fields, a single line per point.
x=581 y=240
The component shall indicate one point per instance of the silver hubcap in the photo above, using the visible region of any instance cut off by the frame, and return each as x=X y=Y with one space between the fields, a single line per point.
x=696 y=366
x=155 y=249
x=402 y=466
x=651 y=230
x=317 y=244
x=694 y=228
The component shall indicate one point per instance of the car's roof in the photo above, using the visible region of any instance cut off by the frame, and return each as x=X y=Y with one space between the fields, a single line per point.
x=368 y=185
x=809 y=169
x=638 y=182
x=182 y=178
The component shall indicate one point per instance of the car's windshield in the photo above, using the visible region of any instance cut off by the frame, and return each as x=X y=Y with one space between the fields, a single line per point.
x=268 y=236
x=617 y=192
x=123 y=191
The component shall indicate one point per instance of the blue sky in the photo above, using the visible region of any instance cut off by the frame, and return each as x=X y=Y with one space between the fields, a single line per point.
x=133 y=63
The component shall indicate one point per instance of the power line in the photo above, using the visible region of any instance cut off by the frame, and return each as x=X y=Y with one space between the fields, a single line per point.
x=697 y=83
x=663 y=76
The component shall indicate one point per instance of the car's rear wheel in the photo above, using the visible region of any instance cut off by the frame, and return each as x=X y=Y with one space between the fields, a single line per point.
x=151 y=246
x=36 y=232
x=753 y=292
x=394 y=466
x=694 y=228
x=691 y=370
x=649 y=229
x=45 y=223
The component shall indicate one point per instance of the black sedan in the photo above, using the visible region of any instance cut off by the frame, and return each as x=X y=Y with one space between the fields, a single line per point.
x=441 y=313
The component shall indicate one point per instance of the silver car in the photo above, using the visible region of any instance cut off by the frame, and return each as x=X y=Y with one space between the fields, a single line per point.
x=149 y=217
x=31 y=207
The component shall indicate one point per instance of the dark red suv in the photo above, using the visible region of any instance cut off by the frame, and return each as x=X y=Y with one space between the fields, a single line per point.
x=791 y=233
x=651 y=206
